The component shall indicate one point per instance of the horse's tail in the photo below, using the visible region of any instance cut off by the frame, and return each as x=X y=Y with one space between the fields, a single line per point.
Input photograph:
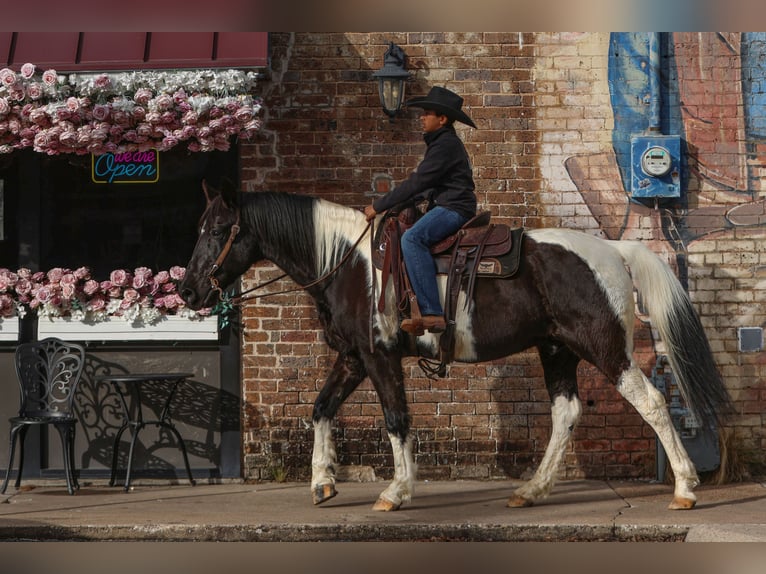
x=678 y=324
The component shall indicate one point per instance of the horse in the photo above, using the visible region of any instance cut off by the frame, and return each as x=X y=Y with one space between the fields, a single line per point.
x=572 y=299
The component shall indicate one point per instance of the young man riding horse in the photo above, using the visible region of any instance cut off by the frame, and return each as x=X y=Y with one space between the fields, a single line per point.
x=445 y=178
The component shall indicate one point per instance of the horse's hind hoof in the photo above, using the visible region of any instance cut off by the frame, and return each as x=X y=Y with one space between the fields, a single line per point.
x=323 y=492
x=517 y=501
x=680 y=503
x=385 y=505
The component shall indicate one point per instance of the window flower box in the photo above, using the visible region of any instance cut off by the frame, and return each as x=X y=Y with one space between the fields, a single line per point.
x=9 y=329
x=168 y=328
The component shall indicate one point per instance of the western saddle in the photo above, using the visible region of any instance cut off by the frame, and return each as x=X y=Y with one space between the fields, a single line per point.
x=478 y=249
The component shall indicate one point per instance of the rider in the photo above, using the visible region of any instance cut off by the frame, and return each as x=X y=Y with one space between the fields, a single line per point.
x=445 y=177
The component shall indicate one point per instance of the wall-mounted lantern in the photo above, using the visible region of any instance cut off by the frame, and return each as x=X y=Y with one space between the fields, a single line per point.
x=391 y=78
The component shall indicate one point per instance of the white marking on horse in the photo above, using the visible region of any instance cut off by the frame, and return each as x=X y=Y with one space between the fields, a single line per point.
x=337 y=228
x=323 y=459
x=608 y=266
x=650 y=403
x=565 y=413
x=402 y=487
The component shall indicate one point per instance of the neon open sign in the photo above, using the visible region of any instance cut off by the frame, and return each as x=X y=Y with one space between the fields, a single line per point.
x=127 y=167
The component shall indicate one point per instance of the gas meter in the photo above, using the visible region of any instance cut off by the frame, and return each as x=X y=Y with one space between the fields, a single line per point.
x=656 y=166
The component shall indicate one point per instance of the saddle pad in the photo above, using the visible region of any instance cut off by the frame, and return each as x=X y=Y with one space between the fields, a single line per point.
x=498 y=242
x=500 y=266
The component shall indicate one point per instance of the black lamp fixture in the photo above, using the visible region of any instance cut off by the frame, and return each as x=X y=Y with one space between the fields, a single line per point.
x=391 y=78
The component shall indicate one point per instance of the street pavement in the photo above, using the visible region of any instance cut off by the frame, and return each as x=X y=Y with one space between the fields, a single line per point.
x=467 y=511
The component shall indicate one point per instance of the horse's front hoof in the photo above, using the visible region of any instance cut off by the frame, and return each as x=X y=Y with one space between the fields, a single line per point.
x=680 y=503
x=385 y=505
x=517 y=501
x=323 y=492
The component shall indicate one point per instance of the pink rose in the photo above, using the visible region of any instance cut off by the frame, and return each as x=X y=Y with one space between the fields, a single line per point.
x=63 y=114
x=73 y=104
x=97 y=303
x=100 y=112
x=119 y=277
x=139 y=113
x=244 y=114
x=55 y=275
x=163 y=102
x=91 y=287
x=43 y=294
x=190 y=117
x=17 y=93
x=7 y=77
x=35 y=91
x=142 y=277
x=6 y=305
x=102 y=81
x=50 y=77
x=68 y=138
x=177 y=273
x=38 y=116
x=168 y=142
x=129 y=297
x=161 y=277
x=23 y=290
x=81 y=272
x=4 y=106
x=68 y=278
x=142 y=96
x=68 y=291
x=27 y=70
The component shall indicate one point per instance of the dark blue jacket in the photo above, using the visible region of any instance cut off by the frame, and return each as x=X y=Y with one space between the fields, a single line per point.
x=444 y=177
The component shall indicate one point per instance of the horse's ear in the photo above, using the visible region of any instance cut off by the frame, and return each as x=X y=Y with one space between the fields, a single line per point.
x=227 y=192
x=210 y=192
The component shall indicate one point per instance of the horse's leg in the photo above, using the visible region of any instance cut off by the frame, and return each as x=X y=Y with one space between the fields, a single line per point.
x=345 y=376
x=385 y=372
x=560 y=368
x=650 y=403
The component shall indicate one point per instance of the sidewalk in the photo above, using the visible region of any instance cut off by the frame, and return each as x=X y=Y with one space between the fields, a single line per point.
x=581 y=510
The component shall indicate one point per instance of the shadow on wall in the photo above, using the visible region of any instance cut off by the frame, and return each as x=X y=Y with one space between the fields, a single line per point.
x=209 y=410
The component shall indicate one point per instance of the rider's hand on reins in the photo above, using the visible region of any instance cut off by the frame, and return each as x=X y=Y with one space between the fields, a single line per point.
x=370 y=213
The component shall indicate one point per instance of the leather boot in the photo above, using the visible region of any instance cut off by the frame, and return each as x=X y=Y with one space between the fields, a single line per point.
x=413 y=326
x=434 y=323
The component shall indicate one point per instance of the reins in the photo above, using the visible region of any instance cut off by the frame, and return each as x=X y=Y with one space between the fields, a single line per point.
x=239 y=299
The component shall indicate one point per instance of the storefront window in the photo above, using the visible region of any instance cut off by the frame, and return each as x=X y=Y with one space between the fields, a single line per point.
x=106 y=226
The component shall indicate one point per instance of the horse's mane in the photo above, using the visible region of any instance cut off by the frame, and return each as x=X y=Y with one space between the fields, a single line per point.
x=311 y=232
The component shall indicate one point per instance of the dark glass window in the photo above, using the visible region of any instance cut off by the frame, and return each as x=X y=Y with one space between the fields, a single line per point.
x=74 y=222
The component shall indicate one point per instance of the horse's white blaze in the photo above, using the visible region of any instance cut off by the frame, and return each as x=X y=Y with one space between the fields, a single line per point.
x=565 y=413
x=650 y=403
x=608 y=267
x=405 y=470
x=323 y=459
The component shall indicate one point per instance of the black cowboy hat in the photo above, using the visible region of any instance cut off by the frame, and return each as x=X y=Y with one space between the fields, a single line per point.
x=442 y=101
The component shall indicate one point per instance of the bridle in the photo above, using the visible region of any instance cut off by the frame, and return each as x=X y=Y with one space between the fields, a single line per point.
x=233 y=232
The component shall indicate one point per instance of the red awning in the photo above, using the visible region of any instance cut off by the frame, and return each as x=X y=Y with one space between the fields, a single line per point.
x=108 y=51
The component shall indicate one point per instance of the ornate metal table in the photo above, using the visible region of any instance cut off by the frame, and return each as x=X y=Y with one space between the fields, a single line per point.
x=128 y=387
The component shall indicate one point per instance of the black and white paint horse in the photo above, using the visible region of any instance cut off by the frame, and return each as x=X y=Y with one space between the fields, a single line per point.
x=572 y=300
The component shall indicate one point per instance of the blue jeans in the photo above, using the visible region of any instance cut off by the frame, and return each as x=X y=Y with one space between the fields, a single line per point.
x=434 y=226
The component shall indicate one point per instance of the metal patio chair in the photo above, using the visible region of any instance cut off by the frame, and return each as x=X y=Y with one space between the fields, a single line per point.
x=48 y=373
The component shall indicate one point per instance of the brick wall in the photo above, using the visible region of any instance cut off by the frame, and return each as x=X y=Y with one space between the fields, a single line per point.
x=543 y=157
